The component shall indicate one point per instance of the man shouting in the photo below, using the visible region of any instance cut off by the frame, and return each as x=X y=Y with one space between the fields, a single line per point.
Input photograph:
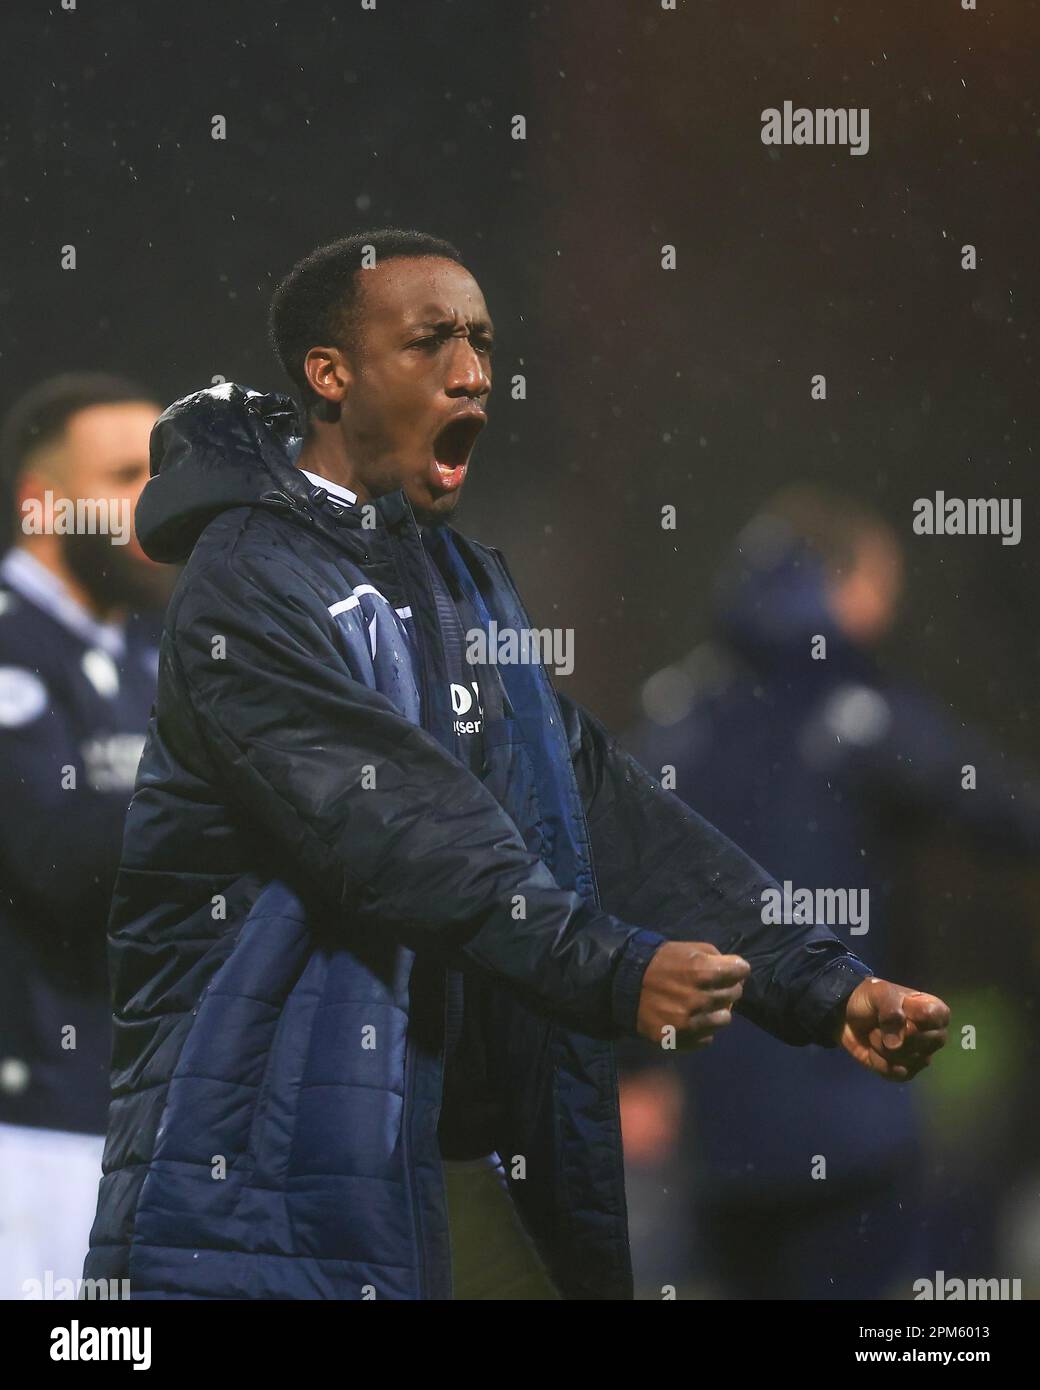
x=382 y=912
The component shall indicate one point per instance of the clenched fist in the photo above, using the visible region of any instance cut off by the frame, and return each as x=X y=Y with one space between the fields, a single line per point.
x=892 y=1030
x=691 y=987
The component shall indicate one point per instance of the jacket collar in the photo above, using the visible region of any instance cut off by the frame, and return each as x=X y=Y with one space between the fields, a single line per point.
x=229 y=446
x=342 y=494
x=40 y=587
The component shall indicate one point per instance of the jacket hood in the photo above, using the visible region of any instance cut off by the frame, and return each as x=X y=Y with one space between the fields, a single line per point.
x=226 y=446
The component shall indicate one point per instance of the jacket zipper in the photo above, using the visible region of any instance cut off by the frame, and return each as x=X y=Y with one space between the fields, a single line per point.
x=410 y=1065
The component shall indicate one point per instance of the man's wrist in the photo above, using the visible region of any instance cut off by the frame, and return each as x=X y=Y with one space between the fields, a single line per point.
x=821 y=1011
x=627 y=985
x=834 y=1022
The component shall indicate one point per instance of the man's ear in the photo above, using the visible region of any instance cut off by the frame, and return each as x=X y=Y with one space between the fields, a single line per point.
x=330 y=378
x=32 y=484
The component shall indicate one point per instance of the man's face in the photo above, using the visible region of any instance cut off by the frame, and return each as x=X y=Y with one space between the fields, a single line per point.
x=417 y=389
x=103 y=456
x=867 y=597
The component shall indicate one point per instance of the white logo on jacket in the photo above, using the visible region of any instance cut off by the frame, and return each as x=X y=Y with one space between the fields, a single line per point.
x=23 y=696
x=353 y=601
x=462 y=702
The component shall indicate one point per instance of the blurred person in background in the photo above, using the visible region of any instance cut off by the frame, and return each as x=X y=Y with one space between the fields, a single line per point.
x=80 y=614
x=818 y=768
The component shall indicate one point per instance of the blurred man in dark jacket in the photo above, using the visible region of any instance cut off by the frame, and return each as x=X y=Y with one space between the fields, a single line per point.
x=816 y=764
x=78 y=651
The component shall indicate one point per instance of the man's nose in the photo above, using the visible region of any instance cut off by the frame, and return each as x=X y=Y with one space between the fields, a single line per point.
x=469 y=374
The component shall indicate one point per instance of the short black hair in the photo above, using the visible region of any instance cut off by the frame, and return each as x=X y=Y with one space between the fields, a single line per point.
x=42 y=414
x=319 y=301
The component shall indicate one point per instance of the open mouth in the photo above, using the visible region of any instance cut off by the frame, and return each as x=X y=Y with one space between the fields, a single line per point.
x=452 y=446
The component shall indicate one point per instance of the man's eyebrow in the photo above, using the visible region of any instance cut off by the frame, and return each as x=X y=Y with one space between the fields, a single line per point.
x=444 y=322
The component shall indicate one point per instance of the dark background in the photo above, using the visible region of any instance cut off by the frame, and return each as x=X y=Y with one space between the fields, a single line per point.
x=645 y=387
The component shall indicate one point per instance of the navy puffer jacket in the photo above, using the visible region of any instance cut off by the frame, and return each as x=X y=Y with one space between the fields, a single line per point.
x=306 y=858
